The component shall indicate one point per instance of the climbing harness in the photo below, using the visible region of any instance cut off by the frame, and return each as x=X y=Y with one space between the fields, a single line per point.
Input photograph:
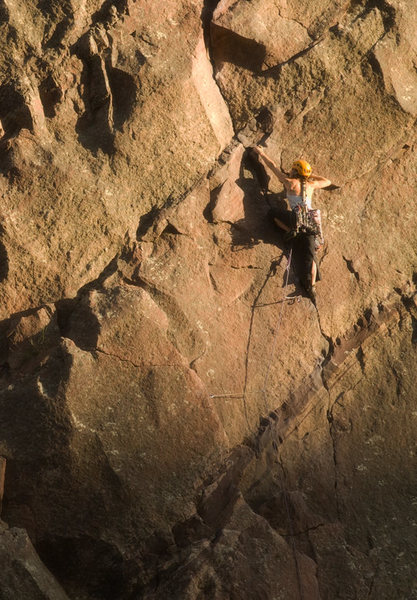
x=308 y=220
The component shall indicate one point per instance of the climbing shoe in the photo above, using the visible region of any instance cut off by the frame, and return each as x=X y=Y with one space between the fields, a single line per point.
x=290 y=235
x=311 y=292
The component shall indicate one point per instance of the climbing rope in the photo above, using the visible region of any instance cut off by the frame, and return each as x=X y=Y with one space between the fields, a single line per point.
x=264 y=393
x=277 y=328
x=264 y=191
x=262 y=390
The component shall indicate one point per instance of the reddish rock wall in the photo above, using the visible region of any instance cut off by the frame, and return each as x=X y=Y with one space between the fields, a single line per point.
x=177 y=421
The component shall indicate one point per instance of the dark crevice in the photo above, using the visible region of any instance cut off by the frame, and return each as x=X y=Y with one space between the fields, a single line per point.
x=398 y=380
x=86 y=564
x=349 y=264
x=146 y=222
x=372 y=585
x=14 y=112
x=109 y=95
x=259 y=172
x=330 y=419
x=58 y=35
x=414 y=326
x=361 y=359
x=411 y=307
x=55 y=10
x=60 y=13
x=4 y=12
x=387 y=11
x=77 y=322
x=303 y=532
x=275 y=70
x=75 y=319
x=119 y=358
x=109 y=10
x=207 y=13
x=170 y=228
x=4 y=258
x=50 y=95
x=209 y=6
x=326 y=356
x=207 y=212
x=192 y=364
x=228 y=46
x=214 y=194
x=213 y=283
x=124 y=92
x=368 y=315
x=372 y=63
x=94 y=127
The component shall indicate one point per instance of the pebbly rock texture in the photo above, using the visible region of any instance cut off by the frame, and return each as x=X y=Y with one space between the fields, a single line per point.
x=178 y=421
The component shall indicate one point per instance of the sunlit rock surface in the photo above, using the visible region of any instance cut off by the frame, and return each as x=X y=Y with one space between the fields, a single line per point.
x=176 y=419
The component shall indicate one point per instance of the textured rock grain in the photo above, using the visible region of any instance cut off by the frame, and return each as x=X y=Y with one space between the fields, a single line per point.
x=23 y=574
x=176 y=418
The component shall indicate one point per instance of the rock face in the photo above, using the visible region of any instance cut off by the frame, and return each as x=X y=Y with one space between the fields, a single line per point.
x=177 y=420
x=23 y=574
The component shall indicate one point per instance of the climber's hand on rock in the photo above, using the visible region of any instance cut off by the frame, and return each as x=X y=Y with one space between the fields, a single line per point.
x=257 y=150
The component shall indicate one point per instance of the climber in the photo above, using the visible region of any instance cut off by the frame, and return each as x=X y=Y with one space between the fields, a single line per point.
x=306 y=235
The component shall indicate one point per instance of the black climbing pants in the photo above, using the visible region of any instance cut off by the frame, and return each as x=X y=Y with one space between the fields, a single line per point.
x=304 y=253
x=303 y=248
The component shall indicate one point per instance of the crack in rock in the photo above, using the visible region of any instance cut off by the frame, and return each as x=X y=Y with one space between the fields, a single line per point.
x=351 y=268
x=330 y=420
x=272 y=71
x=303 y=532
x=120 y=358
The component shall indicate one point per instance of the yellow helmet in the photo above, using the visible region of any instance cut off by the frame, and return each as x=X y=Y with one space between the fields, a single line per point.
x=302 y=167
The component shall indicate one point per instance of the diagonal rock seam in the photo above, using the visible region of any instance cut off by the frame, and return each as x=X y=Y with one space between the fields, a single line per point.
x=340 y=356
x=281 y=422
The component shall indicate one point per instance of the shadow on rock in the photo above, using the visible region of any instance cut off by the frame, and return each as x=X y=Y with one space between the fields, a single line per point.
x=86 y=563
x=4 y=259
x=257 y=225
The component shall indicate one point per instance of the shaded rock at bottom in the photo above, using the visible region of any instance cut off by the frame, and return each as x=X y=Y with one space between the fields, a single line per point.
x=248 y=560
x=23 y=575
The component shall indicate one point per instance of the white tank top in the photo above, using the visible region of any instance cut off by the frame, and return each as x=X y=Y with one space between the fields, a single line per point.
x=295 y=200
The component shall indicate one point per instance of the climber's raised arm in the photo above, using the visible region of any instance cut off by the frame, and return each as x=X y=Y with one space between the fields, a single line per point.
x=270 y=164
x=318 y=182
